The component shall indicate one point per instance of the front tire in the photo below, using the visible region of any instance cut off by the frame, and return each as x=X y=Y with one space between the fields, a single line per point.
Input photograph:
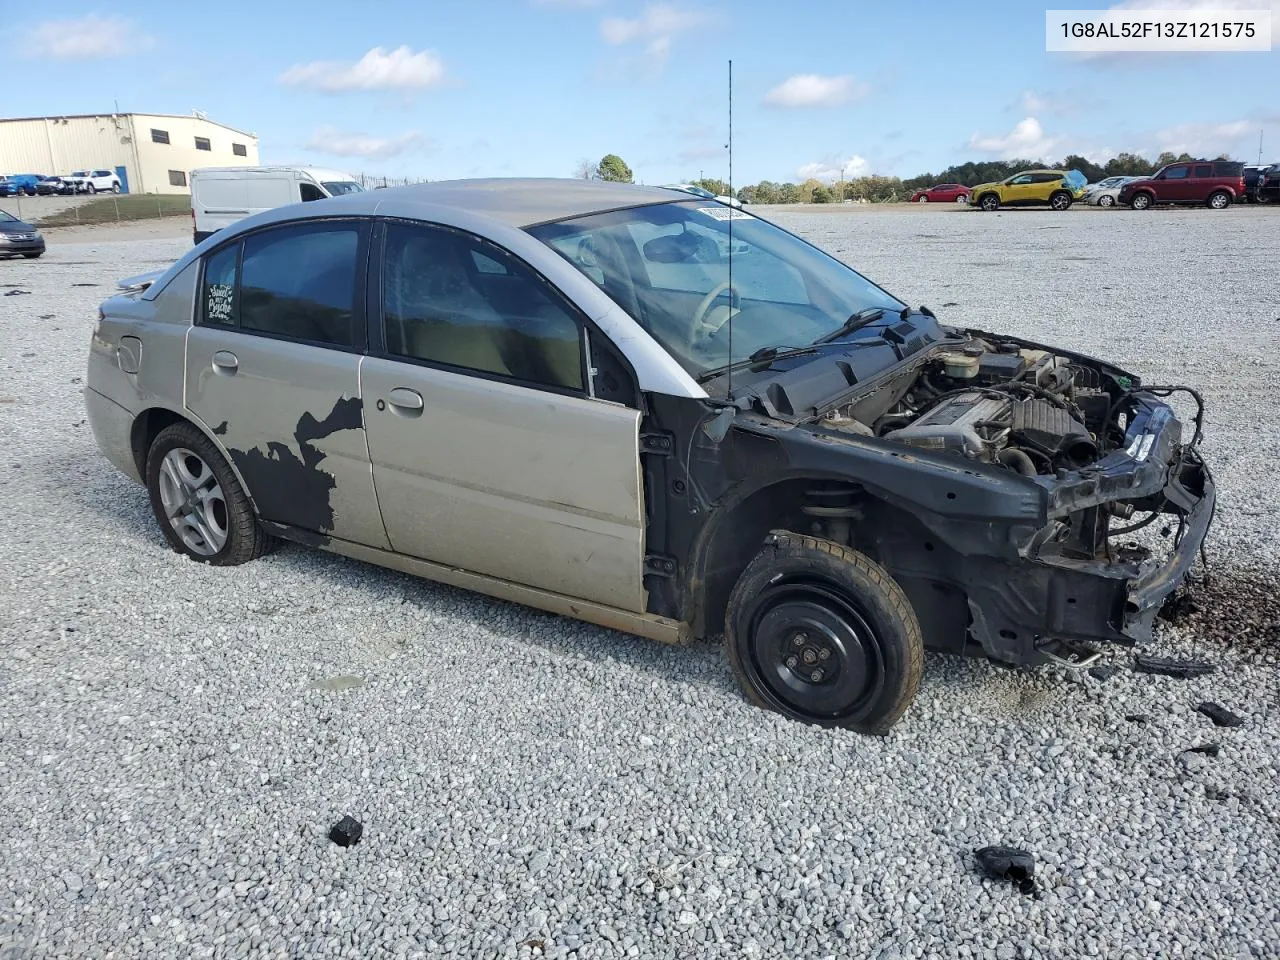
x=91 y=189
x=34 y=256
x=1107 y=201
x=202 y=510
x=923 y=200
x=1218 y=200
x=115 y=188
x=989 y=202
x=1140 y=201
x=822 y=634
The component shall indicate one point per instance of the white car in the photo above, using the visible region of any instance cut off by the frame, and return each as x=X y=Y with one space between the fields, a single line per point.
x=1105 y=193
x=93 y=181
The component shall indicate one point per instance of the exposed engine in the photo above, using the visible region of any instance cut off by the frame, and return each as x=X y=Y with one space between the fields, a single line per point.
x=1028 y=410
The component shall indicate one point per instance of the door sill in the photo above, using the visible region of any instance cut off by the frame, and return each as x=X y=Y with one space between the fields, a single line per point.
x=648 y=625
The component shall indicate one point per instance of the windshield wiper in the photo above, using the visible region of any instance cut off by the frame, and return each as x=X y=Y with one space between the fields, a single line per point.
x=765 y=355
x=856 y=321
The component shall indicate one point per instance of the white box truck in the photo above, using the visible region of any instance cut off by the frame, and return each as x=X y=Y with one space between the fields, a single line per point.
x=222 y=195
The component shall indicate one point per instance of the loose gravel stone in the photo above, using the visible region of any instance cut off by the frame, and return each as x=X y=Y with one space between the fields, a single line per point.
x=161 y=744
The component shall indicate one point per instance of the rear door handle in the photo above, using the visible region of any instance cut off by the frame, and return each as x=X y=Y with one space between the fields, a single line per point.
x=224 y=361
x=406 y=402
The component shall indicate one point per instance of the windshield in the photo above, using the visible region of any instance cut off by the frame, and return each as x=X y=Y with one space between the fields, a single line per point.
x=668 y=266
x=337 y=188
x=8 y=218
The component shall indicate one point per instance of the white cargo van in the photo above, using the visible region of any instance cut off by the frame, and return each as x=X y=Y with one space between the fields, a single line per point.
x=222 y=195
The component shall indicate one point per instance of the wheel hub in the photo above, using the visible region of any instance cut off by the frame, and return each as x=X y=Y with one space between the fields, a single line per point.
x=815 y=651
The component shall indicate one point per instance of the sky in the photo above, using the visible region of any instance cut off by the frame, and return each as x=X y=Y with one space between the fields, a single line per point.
x=439 y=90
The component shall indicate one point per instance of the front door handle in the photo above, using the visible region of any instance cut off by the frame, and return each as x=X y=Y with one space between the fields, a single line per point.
x=224 y=361
x=405 y=402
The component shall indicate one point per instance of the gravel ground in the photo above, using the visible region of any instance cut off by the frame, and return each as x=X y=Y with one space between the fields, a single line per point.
x=175 y=740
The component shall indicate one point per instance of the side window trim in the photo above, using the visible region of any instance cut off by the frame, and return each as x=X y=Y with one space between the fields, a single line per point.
x=359 y=300
x=375 y=333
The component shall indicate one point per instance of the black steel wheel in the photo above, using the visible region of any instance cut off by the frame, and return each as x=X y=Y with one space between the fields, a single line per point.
x=821 y=633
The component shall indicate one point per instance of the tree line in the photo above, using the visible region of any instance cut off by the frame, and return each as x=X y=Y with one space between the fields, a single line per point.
x=879 y=189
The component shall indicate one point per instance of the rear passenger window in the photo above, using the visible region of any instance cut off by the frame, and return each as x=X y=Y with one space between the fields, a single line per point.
x=218 y=295
x=299 y=282
x=453 y=299
x=1204 y=170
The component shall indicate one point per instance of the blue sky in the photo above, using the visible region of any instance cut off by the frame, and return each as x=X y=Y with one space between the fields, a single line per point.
x=532 y=87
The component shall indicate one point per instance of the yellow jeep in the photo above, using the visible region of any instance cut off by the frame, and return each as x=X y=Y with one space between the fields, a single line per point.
x=1056 y=189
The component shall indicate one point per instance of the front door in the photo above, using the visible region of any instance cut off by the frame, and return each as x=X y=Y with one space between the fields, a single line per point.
x=488 y=453
x=1175 y=185
x=273 y=370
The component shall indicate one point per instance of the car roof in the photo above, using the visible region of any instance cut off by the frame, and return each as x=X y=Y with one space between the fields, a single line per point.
x=518 y=202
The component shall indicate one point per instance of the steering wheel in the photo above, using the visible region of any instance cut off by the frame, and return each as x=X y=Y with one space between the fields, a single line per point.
x=699 y=326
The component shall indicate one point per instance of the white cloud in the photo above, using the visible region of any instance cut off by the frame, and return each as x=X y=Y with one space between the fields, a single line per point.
x=379 y=69
x=85 y=38
x=1207 y=139
x=657 y=24
x=835 y=168
x=1032 y=104
x=1027 y=140
x=812 y=90
x=332 y=141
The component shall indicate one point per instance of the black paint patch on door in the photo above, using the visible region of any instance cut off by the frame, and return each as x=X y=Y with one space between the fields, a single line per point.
x=292 y=489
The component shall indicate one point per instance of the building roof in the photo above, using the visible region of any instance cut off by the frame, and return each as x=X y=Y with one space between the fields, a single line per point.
x=131 y=113
x=526 y=201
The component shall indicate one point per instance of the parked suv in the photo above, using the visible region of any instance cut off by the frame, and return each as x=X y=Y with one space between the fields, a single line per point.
x=525 y=387
x=1215 y=183
x=94 y=181
x=1268 y=188
x=1057 y=189
x=1252 y=174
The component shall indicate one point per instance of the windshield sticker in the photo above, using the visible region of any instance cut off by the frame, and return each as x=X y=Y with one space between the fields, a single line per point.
x=725 y=213
x=218 y=307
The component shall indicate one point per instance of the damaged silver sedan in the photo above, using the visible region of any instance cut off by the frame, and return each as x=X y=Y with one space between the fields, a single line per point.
x=655 y=413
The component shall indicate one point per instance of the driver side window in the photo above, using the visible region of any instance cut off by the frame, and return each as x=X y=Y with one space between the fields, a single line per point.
x=452 y=299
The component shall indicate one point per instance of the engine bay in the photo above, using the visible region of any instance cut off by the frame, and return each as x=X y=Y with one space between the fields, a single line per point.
x=999 y=402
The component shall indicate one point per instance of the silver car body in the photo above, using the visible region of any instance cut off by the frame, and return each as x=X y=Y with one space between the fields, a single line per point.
x=528 y=495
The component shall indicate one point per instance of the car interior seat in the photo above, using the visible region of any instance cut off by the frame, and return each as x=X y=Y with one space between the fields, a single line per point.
x=434 y=313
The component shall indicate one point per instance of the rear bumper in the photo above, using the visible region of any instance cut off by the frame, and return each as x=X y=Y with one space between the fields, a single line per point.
x=112 y=427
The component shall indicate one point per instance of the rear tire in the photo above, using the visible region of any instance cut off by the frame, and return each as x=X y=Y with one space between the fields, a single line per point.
x=33 y=256
x=91 y=189
x=1218 y=200
x=115 y=188
x=822 y=634
x=1061 y=200
x=202 y=510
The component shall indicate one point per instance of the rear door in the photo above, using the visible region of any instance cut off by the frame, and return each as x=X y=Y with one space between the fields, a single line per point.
x=489 y=451
x=273 y=370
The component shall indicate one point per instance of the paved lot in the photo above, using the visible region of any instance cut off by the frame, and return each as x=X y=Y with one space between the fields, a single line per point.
x=175 y=740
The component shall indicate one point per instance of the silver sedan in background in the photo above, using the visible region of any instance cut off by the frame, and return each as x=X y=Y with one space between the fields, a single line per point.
x=1106 y=193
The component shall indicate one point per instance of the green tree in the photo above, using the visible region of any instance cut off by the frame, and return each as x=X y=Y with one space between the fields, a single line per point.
x=823 y=194
x=612 y=168
x=718 y=187
x=790 y=193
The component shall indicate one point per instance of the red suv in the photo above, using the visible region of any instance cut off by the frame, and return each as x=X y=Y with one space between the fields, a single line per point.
x=1215 y=183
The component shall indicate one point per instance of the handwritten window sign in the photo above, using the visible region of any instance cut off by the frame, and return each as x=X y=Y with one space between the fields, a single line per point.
x=219 y=303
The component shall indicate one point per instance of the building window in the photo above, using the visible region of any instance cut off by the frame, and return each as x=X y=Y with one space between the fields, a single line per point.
x=159 y=136
x=202 y=143
x=177 y=178
x=239 y=150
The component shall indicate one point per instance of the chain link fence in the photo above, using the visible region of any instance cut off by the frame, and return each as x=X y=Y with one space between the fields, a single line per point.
x=58 y=211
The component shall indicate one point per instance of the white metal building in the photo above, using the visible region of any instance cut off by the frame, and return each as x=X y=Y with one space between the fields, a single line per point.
x=151 y=152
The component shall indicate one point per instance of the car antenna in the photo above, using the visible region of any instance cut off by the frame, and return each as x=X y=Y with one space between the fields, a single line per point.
x=729 y=385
